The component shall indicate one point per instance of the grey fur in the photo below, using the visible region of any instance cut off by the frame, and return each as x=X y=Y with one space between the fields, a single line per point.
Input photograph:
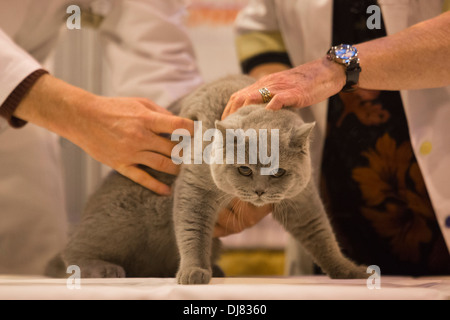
x=127 y=230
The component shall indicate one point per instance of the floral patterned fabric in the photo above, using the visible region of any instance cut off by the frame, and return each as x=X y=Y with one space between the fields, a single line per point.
x=371 y=182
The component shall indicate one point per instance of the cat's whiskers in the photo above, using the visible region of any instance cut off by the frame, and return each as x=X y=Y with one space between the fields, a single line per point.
x=223 y=200
x=237 y=209
x=228 y=218
x=286 y=206
x=240 y=214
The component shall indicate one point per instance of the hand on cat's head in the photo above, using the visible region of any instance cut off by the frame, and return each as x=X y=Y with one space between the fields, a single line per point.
x=298 y=87
x=238 y=216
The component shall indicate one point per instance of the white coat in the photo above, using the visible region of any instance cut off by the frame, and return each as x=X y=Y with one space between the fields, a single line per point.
x=306 y=26
x=150 y=55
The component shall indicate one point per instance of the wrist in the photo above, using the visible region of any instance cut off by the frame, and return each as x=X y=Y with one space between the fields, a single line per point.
x=9 y=106
x=335 y=76
x=77 y=113
x=55 y=105
x=347 y=56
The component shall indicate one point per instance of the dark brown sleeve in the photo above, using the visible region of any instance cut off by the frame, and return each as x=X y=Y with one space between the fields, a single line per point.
x=11 y=103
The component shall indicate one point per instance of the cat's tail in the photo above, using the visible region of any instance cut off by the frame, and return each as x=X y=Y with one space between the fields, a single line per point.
x=56 y=268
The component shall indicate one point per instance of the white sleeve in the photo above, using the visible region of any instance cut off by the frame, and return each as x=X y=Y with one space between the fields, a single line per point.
x=257 y=16
x=15 y=66
x=258 y=36
x=148 y=50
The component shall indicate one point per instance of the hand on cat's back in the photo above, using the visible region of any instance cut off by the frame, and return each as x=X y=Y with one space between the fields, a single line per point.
x=238 y=216
x=126 y=133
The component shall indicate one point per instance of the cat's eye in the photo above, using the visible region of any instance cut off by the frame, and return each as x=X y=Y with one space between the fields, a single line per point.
x=278 y=173
x=245 y=171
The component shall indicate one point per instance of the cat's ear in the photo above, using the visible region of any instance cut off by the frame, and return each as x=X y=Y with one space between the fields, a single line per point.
x=301 y=136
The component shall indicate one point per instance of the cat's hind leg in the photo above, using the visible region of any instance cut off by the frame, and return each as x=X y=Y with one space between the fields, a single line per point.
x=100 y=269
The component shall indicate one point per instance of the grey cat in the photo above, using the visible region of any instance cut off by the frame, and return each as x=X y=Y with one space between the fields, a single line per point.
x=127 y=230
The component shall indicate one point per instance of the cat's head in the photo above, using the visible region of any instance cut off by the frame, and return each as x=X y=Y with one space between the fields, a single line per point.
x=278 y=168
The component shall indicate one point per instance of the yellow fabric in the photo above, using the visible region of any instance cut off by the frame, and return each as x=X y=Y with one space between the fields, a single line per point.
x=255 y=43
x=90 y=19
x=446 y=5
x=240 y=263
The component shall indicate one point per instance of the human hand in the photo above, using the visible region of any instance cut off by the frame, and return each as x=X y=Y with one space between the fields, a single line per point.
x=125 y=132
x=298 y=87
x=122 y=133
x=238 y=216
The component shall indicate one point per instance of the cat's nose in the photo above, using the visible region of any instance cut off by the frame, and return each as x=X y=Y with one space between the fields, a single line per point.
x=259 y=192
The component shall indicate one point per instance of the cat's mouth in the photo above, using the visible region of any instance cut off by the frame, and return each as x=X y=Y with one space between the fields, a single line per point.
x=261 y=201
x=258 y=202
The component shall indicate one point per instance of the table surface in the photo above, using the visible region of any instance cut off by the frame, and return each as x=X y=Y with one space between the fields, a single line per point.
x=279 y=288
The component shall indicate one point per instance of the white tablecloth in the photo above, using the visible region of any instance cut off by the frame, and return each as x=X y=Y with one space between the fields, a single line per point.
x=296 y=288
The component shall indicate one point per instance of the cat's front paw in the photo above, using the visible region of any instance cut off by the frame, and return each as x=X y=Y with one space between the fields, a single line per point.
x=349 y=272
x=194 y=275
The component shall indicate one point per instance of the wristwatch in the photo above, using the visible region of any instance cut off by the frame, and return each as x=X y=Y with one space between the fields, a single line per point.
x=347 y=56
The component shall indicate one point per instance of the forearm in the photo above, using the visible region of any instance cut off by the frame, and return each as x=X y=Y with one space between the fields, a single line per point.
x=415 y=58
x=55 y=105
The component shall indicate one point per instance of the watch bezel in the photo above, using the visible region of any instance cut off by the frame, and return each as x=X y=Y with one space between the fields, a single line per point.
x=333 y=54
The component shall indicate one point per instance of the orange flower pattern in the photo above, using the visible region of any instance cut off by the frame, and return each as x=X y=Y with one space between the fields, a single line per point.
x=406 y=213
x=374 y=190
x=361 y=104
x=372 y=185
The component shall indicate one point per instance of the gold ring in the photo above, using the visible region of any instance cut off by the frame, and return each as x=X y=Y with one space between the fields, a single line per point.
x=266 y=95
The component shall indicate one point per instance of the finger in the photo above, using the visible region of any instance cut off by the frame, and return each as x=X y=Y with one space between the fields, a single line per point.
x=160 y=145
x=241 y=102
x=144 y=179
x=231 y=222
x=158 y=162
x=253 y=214
x=276 y=103
x=254 y=97
x=227 y=224
x=161 y=110
x=237 y=101
x=153 y=106
x=226 y=111
x=242 y=98
x=220 y=232
x=162 y=123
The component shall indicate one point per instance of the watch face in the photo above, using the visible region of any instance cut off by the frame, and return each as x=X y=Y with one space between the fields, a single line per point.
x=346 y=53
